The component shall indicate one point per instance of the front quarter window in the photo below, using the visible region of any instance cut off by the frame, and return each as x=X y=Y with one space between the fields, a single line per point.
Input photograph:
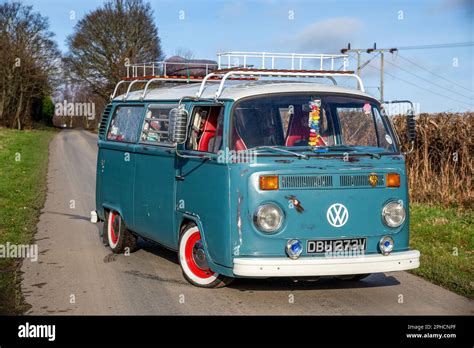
x=362 y=125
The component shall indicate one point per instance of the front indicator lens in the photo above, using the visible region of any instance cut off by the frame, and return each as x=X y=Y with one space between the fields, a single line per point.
x=268 y=218
x=393 y=180
x=394 y=214
x=268 y=182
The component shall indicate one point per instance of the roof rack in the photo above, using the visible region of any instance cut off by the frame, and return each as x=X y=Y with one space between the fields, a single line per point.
x=290 y=61
x=237 y=66
x=162 y=68
x=225 y=74
x=160 y=71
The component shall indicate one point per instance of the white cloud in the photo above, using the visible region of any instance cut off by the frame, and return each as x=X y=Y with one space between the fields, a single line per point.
x=326 y=36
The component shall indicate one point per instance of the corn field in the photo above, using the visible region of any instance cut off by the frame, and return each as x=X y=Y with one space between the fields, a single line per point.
x=440 y=166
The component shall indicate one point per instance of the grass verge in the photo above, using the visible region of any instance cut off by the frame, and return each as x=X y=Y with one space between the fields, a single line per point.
x=23 y=169
x=445 y=238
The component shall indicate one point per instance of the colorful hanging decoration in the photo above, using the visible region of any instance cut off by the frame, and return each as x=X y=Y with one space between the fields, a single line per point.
x=313 y=122
x=367 y=109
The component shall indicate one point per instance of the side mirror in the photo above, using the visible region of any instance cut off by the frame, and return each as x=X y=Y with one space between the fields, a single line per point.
x=411 y=123
x=178 y=125
x=411 y=130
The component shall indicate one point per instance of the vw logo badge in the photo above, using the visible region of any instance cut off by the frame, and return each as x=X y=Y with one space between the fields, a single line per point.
x=337 y=215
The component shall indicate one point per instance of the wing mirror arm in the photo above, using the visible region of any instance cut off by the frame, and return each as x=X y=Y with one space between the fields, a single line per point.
x=411 y=129
x=411 y=123
x=178 y=130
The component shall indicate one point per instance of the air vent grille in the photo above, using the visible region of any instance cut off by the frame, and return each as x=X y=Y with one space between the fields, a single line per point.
x=359 y=180
x=104 y=120
x=306 y=181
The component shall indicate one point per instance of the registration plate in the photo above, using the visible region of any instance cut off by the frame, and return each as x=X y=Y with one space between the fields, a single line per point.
x=336 y=245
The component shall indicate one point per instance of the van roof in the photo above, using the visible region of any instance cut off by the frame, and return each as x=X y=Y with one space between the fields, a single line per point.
x=237 y=90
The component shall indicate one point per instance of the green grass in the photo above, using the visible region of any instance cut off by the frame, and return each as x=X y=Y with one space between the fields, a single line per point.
x=22 y=194
x=445 y=238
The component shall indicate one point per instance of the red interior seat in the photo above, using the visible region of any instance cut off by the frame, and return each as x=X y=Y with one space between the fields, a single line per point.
x=209 y=130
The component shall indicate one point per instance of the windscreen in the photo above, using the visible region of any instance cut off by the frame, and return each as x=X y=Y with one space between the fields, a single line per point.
x=309 y=120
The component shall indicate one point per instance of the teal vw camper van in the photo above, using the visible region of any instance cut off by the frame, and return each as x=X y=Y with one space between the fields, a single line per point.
x=255 y=171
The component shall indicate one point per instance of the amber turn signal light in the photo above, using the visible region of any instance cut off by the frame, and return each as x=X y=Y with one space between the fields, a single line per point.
x=393 y=180
x=269 y=182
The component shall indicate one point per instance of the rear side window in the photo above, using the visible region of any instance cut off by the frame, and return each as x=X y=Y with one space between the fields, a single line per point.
x=156 y=124
x=125 y=124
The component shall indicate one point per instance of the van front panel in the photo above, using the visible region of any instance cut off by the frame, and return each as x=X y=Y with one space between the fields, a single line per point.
x=315 y=185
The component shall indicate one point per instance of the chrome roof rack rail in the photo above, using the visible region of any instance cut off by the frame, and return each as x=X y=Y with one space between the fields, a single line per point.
x=228 y=73
x=271 y=60
x=130 y=87
x=165 y=71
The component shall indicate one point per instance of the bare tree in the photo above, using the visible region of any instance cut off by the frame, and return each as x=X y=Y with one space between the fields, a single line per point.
x=184 y=53
x=106 y=39
x=29 y=62
x=87 y=106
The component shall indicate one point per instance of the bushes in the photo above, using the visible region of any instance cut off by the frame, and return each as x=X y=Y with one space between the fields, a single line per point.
x=47 y=110
x=440 y=167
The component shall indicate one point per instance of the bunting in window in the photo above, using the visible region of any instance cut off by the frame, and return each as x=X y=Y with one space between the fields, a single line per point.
x=313 y=122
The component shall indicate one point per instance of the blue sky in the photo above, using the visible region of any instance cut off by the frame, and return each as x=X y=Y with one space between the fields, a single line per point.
x=317 y=26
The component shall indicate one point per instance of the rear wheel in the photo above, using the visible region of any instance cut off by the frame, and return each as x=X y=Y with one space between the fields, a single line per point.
x=192 y=259
x=119 y=238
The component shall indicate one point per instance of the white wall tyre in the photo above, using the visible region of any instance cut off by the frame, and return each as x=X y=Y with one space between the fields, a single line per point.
x=118 y=237
x=193 y=261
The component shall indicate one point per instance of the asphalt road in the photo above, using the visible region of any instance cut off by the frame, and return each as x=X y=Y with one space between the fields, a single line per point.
x=76 y=274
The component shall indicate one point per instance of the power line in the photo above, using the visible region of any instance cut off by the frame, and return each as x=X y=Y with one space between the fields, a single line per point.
x=433 y=73
x=446 y=45
x=426 y=80
x=418 y=86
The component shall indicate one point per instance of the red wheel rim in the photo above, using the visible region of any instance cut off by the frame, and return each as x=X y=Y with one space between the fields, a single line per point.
x=188 y=253
x=113 y=235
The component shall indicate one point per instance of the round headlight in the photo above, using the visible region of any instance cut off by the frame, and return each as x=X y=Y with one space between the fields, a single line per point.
x=393 y=214
x=386 y=245
x=268 y=218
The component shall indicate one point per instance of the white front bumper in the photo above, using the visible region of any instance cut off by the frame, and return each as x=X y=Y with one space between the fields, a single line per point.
x=325 y=266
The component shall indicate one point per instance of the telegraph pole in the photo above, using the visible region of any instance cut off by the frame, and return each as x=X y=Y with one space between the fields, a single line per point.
x=374 y=49
x=381 y=75
x=358 y=63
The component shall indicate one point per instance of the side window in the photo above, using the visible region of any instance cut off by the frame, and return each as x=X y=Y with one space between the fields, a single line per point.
x=155 y=125
x=357 y=126
x=125 y=124
x=385 y=140
x=206 y=129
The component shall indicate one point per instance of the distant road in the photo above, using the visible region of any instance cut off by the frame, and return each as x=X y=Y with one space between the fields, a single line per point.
x=74 y=266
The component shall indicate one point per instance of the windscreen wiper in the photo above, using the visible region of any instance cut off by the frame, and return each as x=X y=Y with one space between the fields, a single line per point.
x=266 y=147
x=348 y=149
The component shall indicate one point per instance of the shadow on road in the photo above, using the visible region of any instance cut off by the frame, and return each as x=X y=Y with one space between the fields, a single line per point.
x=282 y=284
x=72 y=216
x=158 y=250
x=285 y=284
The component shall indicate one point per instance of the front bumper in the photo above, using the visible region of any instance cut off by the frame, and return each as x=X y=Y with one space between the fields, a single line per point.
x=326 y=266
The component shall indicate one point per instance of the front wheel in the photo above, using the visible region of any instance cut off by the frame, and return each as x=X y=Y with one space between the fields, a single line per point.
x=192 y=259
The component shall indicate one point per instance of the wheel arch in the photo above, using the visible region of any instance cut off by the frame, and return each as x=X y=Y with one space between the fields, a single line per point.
x=108 y=207
x=185 y=220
